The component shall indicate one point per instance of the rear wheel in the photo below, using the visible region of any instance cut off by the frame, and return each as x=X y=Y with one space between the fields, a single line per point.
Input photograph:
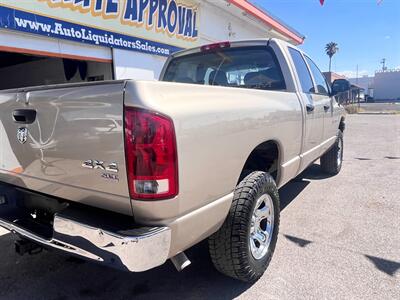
x=244 y=245
x=331 y=161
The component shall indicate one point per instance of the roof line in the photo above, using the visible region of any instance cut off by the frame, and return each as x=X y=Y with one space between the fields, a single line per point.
x=268 y=19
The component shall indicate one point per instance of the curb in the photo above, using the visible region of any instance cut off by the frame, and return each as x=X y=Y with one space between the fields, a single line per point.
x=377 y=113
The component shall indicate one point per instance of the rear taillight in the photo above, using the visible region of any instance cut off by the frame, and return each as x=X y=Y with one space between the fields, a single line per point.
x=151 y=155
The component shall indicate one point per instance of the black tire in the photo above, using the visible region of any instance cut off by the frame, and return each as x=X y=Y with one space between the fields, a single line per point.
x=331 y=161
x=230 y=246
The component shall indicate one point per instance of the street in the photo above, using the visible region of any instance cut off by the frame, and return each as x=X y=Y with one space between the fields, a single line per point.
x=339 y=238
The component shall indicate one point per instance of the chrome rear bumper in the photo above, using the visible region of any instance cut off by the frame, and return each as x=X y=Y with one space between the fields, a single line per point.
x=137 y=252
x=107 y=238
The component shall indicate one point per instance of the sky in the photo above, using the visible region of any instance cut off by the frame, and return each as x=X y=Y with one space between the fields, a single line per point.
x=364 y=31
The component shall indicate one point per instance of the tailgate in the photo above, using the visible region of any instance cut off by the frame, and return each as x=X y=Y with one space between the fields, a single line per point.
x=66 y=141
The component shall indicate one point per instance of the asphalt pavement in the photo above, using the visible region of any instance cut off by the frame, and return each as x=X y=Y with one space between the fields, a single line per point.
x=339 y=239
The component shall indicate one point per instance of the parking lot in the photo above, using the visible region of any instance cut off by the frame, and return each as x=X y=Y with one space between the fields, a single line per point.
x=339 y=238
x=384 y=107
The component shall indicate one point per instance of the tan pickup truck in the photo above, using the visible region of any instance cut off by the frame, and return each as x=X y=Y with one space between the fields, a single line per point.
x=133 y=173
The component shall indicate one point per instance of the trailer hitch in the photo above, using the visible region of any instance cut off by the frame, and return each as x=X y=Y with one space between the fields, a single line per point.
x=24 y=246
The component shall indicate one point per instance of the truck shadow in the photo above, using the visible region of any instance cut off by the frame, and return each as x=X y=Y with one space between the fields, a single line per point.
x=289 y=192
x=293 y=188
x=313 y=172
x=51 y=275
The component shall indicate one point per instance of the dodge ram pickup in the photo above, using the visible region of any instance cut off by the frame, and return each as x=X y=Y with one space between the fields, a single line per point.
x=133 y=173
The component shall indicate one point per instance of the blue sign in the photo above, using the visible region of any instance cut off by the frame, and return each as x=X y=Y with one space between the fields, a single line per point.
x=46 y=26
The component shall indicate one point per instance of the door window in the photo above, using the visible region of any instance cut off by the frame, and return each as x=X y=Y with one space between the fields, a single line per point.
x=322 y=87
x=306 y=82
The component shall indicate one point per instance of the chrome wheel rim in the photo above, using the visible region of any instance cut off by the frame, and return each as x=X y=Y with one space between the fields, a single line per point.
x=262 y=226
x=340 y=152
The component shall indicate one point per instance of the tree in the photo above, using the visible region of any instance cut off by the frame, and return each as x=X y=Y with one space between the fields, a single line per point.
x=331 y=49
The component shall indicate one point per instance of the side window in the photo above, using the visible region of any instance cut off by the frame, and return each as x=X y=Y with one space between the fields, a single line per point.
x=318 y=77
x=306 y=82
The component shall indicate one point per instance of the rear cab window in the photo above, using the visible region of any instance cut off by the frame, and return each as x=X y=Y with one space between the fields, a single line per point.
x=253 y=67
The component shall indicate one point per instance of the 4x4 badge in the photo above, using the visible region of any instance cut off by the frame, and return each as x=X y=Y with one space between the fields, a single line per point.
x=22 y=134
x=98 y=164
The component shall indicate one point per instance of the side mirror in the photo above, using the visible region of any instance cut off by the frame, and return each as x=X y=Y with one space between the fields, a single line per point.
x=333 y=92
x=340 y=86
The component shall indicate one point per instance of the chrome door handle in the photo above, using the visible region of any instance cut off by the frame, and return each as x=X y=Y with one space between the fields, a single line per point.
x=310 y=108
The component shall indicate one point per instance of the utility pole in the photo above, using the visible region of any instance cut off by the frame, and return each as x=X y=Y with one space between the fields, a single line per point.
x=383 y=62
x=357 y=75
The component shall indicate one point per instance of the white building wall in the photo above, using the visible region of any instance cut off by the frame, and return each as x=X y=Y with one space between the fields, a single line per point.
x=136 y=65
x=366 y=82
x=387 y=85
x=220 y=23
